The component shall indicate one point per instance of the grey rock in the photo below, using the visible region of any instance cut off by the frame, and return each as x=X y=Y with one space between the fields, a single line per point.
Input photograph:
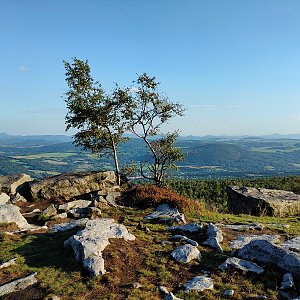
x=287 y=282
x=189 y=228
x=292 y=245
x=52 y=297
x=9 y=263
x=18 y=285
x=244 y=227
x=291 y=263
x=185 y=239
x=4 y=198
x=69 y=185
x=60 y=216
x=215 y=237
x=228 y=293
x=136 y=285
x=74 y=204
x=89 y=243
x=163 y=289
x=186 y=253
x=85 y=212
x=12 y=184
x=165 y=213
x=259 y=201
x=112 y=197
x=18 y=198
x=199 y=284
x=11 y=213
x=241 y=264
x=50 y=211
x=171 y=296
x=243 y=240
x=68 y=225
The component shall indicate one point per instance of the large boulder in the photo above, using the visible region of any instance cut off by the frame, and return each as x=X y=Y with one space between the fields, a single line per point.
x=12 y=184
x=89 y=243
x=10 y=213
x=69 y=185
x=259 y=202
x=186 y=253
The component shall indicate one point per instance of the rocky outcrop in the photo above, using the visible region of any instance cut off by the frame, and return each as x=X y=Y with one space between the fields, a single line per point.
x=89 y=243
x=186 y=253
x=241 y=264
x=292 y=245
x=215 y=237
x=69 y=185
x=4 y=198
x=243 y=240
x=10 y=213
x=68 y=225
x=259 y=202
x=12 y=184
x=166 y=213
x=18 y=285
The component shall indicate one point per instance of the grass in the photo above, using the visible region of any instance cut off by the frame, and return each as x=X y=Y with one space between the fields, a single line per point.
x=146 y=260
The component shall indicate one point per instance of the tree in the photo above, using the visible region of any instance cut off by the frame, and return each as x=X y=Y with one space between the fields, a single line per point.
x=94 y=114
x=145 y=111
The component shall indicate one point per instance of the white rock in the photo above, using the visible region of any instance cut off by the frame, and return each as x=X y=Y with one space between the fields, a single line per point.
x=89 y=243
x=199 y=283
x=241 y=264
x=165 y=213
x=4 y=198
x=68 y=225
x=215 y=237
x=287 y=282
x=186 y=253
x=18 y=285
x=10 y=213
x=74 y=204
x=190 y=228
x=243 y=240
x=185 y=239
x=9 y=263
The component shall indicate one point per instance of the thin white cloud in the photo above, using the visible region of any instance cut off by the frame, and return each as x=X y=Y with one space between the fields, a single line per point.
x=23 y=69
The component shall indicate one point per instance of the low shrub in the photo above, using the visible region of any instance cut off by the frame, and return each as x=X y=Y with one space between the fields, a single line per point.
x=145 y=196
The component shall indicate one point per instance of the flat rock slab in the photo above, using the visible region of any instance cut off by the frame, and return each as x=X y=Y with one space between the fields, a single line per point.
x=165 y=213
x=186 y=253
x=89 y=243
x=243 y=240
x=185 y=239
x=18 y=285
x=292 y=245
x=74 y=204
x=259 y=201
x=68 y=225
x=240 y=264
x=69 y=185
x=10 y=213
x=12 y=183
x=199 y=284
x=188 y=228
x=244 y=227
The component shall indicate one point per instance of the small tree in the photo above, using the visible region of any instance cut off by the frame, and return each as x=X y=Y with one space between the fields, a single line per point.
x=145 y=111
x=95 y=115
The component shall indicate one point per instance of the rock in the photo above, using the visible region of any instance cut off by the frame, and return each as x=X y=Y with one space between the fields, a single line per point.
x=69 y=185
x=75 y=204
x=89 y=243
x=36 y=210
x=4 y=198
x=186 y=253
x=68 y=225
x=215 y=237
x=259 y=202
x=266 y=252
x=189 y=228
x=9 y=263
x=112 y=197
x=60 y=216
x=171 y=296
x=166 y=213
x=292 y=245
x=50 y=211
x=12 y=184
x=163 y=289
x=244 y=227
x=18 y=198
x=10 y=213
x=136 y=285
x=287 y=282
x=241 y=264
x=18 y=285
x=243 y=240
x=199 y=284
x=52 y=297
x=185 y=239
x=228 y=293
x=85 y=212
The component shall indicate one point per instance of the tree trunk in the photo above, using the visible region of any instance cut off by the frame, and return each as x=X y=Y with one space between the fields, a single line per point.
x=117 y=169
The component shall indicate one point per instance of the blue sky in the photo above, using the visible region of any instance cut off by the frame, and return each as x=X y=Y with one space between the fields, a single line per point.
x=235 y=65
